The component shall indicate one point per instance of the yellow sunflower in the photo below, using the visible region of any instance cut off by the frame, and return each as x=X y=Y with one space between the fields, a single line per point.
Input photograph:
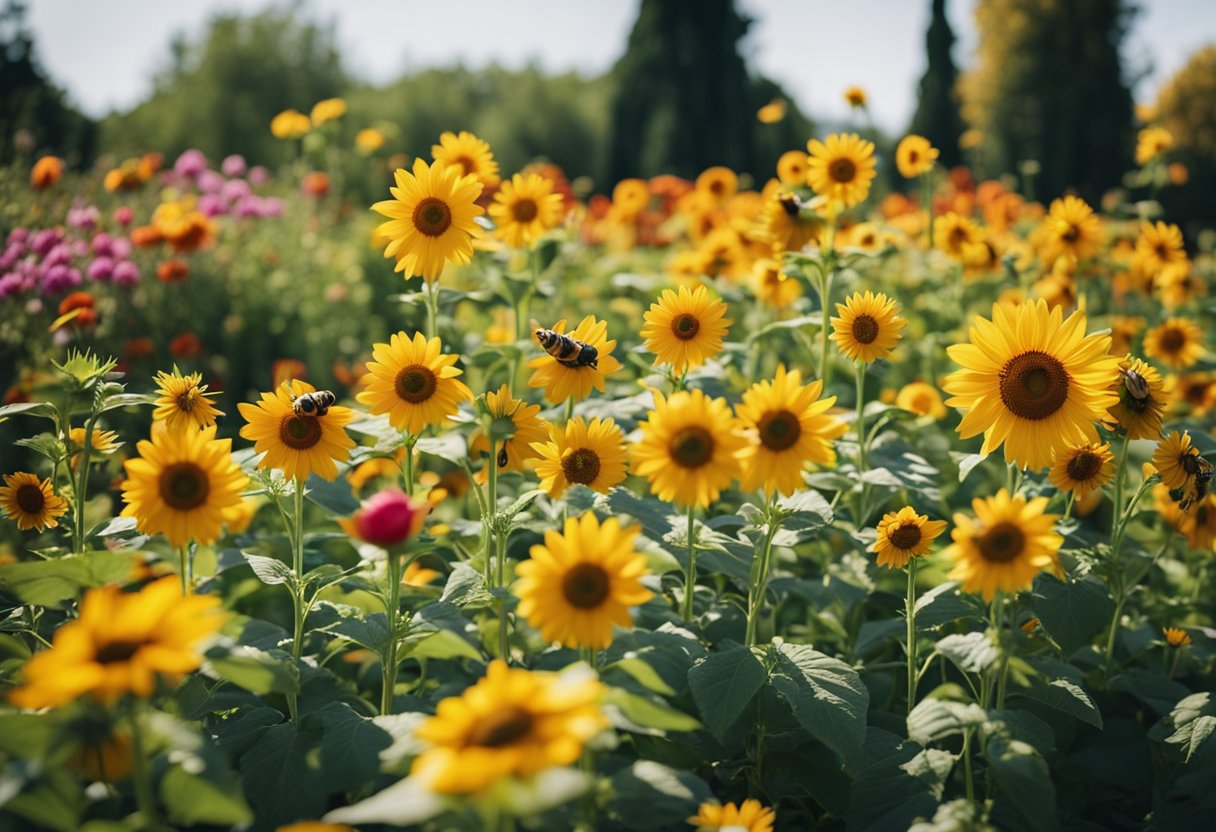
x=1176 y=637
x=791 y=426
x=1008 y=542
x=1151 y=143
x=470 y=155
x=561 y=382
x=510 y=453
x=903 y=535
x=855 y=96
x=868 y=328
x=581 y=454
x=1195 y=393
x=1142 y=399
x=749 y=816
x=772 y=286
x=1160 y=246
x=954 y=234
x=719 y=182
x=1176 y=343
x=922 y=399
x=183 y=400
x=691 y=448
x=1071 y=228
x=915 y=156
x=1083 y=469
x=511 y=723
x=772 y=112
x=431 y=219
x=1033 y=381
x=120 y=644
x=413 y=382
x=630 y=197
x=1176 y=460
x=183 y=485
x=841 y=168
x=297 y=445
x=581 y=582
x=524 y=209
x=1198 y=524
x=792 y=168
x=30 y=502
x=685 y=328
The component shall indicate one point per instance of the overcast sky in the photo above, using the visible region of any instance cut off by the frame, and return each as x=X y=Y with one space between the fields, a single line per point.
x=106 y=52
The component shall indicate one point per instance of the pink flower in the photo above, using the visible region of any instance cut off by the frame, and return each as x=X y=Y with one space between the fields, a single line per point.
x=388 y=518
x=123 y=215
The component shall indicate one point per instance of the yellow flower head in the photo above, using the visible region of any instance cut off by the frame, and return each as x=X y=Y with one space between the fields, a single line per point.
x=470 y=155
x=903 y=535
x=720 y=183
x=772 y=286
x=297 y=445
x=581 y=454
x=1177 y=461
x=1176 y=637
x=748 y=816
x=103 y=442
x=922 y=399
x=868 y=328
x=953 y=233
x=290 y=124
x=1083 y=469
x=841 y=168
x=685 y=329
x=1151 y=143
x=1071 y=228
x=510 y=453
x=561 y=381
x=369 y=140
x=630 y=197
x=1005 y=545
x=1177 y=343
x=772 y=112
x=329 y=109
x=785 y=225
x=855 y=97
x=30 y=502
x=524 y=209
x=792 y=168
x=1160 y=246
x=183 y=401
x=915 y=156
x=414 y=382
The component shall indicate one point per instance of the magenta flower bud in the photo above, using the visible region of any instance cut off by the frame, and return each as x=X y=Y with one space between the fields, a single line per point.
x=123 y=215
x=126 y=273
x=388 y=518
x=120 y=248
x=102 y=269
x=258 y=175
x=190 y=164
x=84 y=216
x=233 y=165
x=210 y=182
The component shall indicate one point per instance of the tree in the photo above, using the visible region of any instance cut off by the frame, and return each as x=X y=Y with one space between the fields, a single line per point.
x=937 y=113
x=1186 y=106
x=1048 y=86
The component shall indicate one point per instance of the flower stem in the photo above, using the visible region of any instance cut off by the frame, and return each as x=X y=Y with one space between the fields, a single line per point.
x=297 y=589
x=144 y=795
x=1120 y=477
x=860 y=514
x=82 y=485
x=690 y=574
x=392 y=606
x=432 y=307
x=825 y=300
x=187 y=568
x=759 y=576
x=910 y=616
x=409 y=464
x=927 y=196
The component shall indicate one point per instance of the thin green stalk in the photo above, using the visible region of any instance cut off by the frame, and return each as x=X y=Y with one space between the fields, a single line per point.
x=1002 y=647
x=860 y=374
x=297 y=589
x=968 y=776
x=1120 y=477
x=825 y=301
x=910 y=616
x=690 y=574
x=409 y=465
x=432 y=307
x=144 y=795
x=569 y=408
x=82 y=485
x=187 y=569
x=927 y=196
x=759 y=577
x=392 y=609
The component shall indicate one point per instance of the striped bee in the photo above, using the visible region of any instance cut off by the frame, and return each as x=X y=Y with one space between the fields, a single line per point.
x=1138 y=392
x=313 y=404
x=1199 y=468
x=790 y=203
x=502 y=456
x=569 y=352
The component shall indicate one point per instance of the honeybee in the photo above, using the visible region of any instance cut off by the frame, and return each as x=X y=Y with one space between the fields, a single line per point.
x=790 y=203
x=1201 y=470
x=569 y=352
x=502 y=456
x=314 y=404
x=1138 y=393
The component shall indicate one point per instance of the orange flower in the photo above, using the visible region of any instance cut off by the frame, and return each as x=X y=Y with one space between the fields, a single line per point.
x=315 y=184
x=172 y=270
x=186 y=345
x=46 y=172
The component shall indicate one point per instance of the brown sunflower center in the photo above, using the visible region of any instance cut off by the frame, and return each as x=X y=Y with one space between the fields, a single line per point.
x=1034 y=385
x=685 y=326
x=524 y=210
x=415 y=384
x=118 y=651
x=1084 y=466
x=581 y=466
x=779 y=430
x=842 y=171
x=30 y=499
x=957 y=236
x=906 y=536
x=299 y=432
x=502 y=727
x=185 y=401
x=1071 y=233
x=1173 y=339
x=466 y=164
x=184 y=486
x=865 y=329
x=692 y=447
x=585 y=586
x=1001 y=543
x=1162 y=251
x=913 y=156
x=432 y=217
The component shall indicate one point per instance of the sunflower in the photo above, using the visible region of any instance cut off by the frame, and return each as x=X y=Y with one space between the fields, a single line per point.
x=101 y=442
x=431 y=219
x=915 y=156
x=581 y=582
x=413 y=382
x=785 y=225
x=1032 y=380
x=855 y=96
x=1083 y=469
x=120 y=644
x=791 y=427
x=561 y=382
x=30 y=502
x=470 y=155
x=749 y=816
x=903 y=535
x=1138 y=412
x=529 y=430
x=581 y=454
x=953 y=233
x=1195 y=393
x=868 y=327
x=920 y=398
x=524 y=209
x=719 y=182
x=297 y=445
x=1160 y=246
x=512 y=722
x=685 y=328
x=1177 y=343
x=773 y=286
x=1176 y=460
x=183 y=400
x=184 y=485
x=690 y=449
x=841 y=168
x=290 y=124
x=1176 y=637
x=792 y=168
x=630 y=197
x=772 y=112
x=1071 y=228
x=1198 y=524
x=1008 y=542
x=1151 y=143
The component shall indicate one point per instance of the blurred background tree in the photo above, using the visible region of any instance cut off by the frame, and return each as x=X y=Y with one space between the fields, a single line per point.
x=1048 y=86
x=937 y=115
x=1186 y=106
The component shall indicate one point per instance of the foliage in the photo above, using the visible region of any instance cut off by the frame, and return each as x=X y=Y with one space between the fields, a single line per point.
x=937 y=106
x=1184 y=108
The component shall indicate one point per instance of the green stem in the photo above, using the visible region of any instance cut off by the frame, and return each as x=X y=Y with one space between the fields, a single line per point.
x=860 y=372
x=187 y=569
x=569 y=408
x=759 y=576
x=1120 y=477
x=825 y=301
x=927 y=196
x=297 y=589
x=910 y=616
x=82 y=484
x=144 y=795
x=690 y=574
x=432 y=307
x=409 y=464
x=1003 y=671
x=968 y=776
x=392 y=609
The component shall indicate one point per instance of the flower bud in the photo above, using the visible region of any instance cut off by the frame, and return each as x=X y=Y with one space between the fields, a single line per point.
x=388 y=518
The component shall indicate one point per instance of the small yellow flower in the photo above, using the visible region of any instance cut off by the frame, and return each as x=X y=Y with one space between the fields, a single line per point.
x=1152 y=143
x=524 y=209
x=772 y=112
x=183 y=401
x=903 y=535
x=868 y=326
x=855 y=97
x=1177 y=343
x=685 y=329
x=290 y=124
x=1008 y=542
x=841 y=168
x=330 y=109
x=922 y=399
x=30 y=502
x=510 y=453
x=297 y=445
x=414 y=382
x=369 y=140
x=1176 y=637
x=915 y=156
x=470 y=155
x=748 y=816
x=581 y=454
x=1083 y=469
x=561 y=382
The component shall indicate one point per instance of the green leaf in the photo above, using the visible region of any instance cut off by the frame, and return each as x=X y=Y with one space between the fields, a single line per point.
x=26 y=736
x=723 y=685
x=270 y=571
x=44 y=444
x=641 y=712
x=944 y=604
x=1072 y=612
x=43 y=410
x=650 y=795
x=1193 y=721
x=972 y=652
x=450 y=446
x=1025 y=795
x=543 y=792
x=933 y=720
x=968 y=463
x=522 y=502
x=190 y=799
x=257 y=671
x=466 y=588
x=655 y=516
x=898 y=782
x=642 y=673
x=335 y=497
x=126 y=400
x=404 y=803
x=51 y=582
x=1063 y=695
x=55 y=801
x=826 y=695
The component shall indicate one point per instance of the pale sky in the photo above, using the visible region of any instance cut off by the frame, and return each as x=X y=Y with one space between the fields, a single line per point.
x=104 y=53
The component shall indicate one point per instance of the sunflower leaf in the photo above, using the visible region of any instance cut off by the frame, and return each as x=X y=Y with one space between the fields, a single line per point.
x=723 y=686
x=826 y=695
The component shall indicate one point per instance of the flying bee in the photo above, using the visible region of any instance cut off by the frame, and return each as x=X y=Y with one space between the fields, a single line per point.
x=502 y=456
x=1138 y=392
x=1201 y=470
x=567 y=351
x=790 y=203
x=314 y=404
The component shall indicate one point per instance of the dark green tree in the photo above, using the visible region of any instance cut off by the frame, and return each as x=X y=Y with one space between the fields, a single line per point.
x=937 y=115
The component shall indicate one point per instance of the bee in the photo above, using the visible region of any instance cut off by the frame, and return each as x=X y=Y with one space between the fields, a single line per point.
x=569 y=352
x=1201 y=470
x=314 y=404
x=502 y=456
x=790 y=203
x=1138 y=393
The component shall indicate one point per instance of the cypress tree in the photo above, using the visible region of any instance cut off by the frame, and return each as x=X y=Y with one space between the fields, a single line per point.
x=937 y=115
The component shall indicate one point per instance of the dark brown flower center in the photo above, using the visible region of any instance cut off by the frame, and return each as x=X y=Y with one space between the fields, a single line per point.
x=957 y=236
x=842 y=171
x=185 y=400
x=184 y=486
x=1173 y=339
x=581 y=466
x=905 y=537
x=913 y=157
x=779 y=430
x=30 y=499
x=1033 y=385
x=1071 y=234
x=415 y=384
x=585 y=586
x=1001 y=543
x=692 y=447
x=432 y=217
x=685 y=326
x=865 y=329
x=299 y=432
x=524 y=210
x=1084 y=466
x=466 y=164
x=118 y=651
x=504 y=727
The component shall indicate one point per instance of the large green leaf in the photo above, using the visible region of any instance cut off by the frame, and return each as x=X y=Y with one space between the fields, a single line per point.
x=723 y=685
x=1072 y=612
x=826 y=695
x=972 y=652
x=190 y=799
x=257 y=671
x=898 y=782
x=933 y=720
x=650 y=795
x=1192 y=721
x=51 y=582
x=644 y=714
x=1025 y=795
x=1063 y=695
x=405 y=803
